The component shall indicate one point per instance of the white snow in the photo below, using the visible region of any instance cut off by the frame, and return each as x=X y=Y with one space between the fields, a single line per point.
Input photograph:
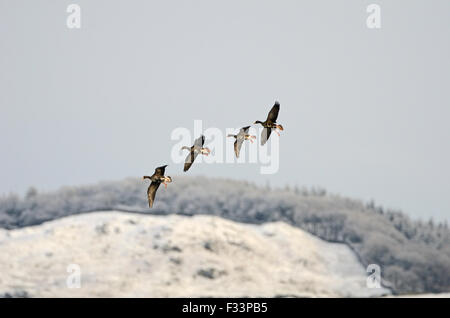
x=134 y=255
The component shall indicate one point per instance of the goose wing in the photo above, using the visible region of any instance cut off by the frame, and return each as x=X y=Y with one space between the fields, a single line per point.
x=244 y=130
x=237 y=146
x=151 y=193
x=199 y=141
x=273 y=114
x=265 y=134
x=160 y=171
x=190 y=159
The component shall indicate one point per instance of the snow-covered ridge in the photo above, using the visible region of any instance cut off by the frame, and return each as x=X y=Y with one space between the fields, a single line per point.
x=132 y=255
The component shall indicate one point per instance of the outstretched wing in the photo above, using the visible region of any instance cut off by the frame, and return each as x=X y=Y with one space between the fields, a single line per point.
x=237 y=146
x=151 y=193
x=160 y=170
x=190 y=160
x=273 y=114
x=244 y=130
x=265 y=134
x=199 y=141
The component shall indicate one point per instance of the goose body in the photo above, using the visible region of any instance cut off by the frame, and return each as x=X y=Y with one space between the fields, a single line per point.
x=196 y=149
x=270 y=123
x=156 y=179
x=240 y=138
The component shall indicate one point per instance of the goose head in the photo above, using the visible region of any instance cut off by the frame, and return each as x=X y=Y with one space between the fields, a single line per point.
x=168 y=179
x=205 y=151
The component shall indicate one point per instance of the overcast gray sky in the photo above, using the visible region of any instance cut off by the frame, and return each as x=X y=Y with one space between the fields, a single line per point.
x=365 y=111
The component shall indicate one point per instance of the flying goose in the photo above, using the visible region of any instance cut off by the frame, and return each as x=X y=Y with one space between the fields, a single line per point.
x=240 y=138
x=156 y=179
x=270 y=123
x=197 y=148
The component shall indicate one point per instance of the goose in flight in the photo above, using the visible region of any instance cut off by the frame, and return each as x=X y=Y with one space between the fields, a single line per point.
x=196 y=149
x=156 y=179
x=240 y=138
x=270 y=123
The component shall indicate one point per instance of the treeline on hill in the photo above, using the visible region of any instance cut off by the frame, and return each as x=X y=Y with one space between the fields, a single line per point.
x=414 y=255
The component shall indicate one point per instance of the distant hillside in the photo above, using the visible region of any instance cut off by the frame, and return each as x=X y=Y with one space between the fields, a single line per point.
x=414 y=256
x=130 y=255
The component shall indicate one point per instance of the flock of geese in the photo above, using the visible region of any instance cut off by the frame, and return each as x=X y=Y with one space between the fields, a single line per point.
x=197 y=148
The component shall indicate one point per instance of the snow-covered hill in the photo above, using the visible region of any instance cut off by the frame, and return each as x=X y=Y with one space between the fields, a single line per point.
x=133 y=255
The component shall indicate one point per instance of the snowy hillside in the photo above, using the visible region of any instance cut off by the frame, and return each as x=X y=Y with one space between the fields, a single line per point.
x=133 y=255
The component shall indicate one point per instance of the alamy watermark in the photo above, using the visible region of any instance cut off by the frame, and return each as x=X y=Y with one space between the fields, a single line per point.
x=74 y=278
x=73 y=20
x=374 y=278
x=222 y=148
x=374 y=19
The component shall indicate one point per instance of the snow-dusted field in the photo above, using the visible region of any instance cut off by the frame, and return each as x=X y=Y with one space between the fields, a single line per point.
x=133 y=255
